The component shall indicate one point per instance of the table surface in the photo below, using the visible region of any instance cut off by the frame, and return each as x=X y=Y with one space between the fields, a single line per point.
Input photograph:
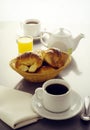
x=76 y=74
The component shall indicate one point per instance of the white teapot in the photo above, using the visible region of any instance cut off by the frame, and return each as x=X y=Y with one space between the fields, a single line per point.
x=61 y=39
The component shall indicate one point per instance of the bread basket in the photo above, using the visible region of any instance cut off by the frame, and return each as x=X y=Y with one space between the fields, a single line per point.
x=40 y=77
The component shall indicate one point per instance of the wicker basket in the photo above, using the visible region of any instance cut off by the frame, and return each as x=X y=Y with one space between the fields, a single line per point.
x=35 y=77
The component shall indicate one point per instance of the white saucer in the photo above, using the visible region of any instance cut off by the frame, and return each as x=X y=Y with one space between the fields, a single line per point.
x=21 y=33
x=76 y=106
x=36 y=38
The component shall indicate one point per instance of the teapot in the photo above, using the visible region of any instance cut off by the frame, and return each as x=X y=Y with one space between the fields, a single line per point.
x=61 y=39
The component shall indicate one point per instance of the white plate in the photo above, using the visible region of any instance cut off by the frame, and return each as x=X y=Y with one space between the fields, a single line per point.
x=76 y=106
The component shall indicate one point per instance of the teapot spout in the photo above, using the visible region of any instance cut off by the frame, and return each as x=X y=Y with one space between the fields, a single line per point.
x=76 y=40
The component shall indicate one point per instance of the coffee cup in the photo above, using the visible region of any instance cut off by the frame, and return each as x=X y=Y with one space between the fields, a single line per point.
x=55 y=95
x=31 y=27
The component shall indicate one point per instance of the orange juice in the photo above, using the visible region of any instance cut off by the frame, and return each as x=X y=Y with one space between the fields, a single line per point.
x=25 y=44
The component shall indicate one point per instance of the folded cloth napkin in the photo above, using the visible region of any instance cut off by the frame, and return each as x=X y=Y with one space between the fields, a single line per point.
x=15 y=108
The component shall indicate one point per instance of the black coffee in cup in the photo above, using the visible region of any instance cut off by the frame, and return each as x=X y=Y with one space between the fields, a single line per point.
x=32 y=22
x=56 y=89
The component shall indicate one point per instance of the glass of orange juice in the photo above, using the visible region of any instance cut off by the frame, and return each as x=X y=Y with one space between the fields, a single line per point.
x=25 y=44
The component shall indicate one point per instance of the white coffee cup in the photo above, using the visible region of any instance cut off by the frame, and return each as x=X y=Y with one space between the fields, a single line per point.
x=55 y=95
x=31 y=27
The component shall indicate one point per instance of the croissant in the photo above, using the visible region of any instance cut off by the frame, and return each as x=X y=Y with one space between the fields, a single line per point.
x=28 y=61
x=42 y=61
x=55 y=57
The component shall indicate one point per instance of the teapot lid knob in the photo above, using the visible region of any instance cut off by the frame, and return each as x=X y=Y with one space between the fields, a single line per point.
x=61 y=29
x=64 y=32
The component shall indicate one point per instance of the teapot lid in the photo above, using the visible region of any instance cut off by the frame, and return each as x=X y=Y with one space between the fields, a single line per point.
x=62 y=33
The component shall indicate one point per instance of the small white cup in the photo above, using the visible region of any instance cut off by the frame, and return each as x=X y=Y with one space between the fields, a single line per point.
x=55 y=95
x=31 y=27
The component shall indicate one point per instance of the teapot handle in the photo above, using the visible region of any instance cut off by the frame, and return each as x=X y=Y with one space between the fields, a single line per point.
x=44 y=37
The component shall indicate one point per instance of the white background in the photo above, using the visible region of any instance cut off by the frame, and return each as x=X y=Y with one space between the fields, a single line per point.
x=53 y=11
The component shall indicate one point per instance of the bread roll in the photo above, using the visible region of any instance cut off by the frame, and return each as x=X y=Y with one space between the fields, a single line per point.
x=45 y=70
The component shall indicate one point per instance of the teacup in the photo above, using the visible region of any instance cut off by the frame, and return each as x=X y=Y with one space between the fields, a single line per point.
x=31 y=27
x=55 y=95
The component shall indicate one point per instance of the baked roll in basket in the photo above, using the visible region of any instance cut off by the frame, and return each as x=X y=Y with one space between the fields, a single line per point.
x=41 y=65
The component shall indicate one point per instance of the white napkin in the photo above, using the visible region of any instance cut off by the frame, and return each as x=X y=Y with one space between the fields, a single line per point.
x=15 y=108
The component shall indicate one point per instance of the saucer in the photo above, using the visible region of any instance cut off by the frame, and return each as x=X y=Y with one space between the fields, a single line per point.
x=36 y=38
x=76 y=106
x=21 y=33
